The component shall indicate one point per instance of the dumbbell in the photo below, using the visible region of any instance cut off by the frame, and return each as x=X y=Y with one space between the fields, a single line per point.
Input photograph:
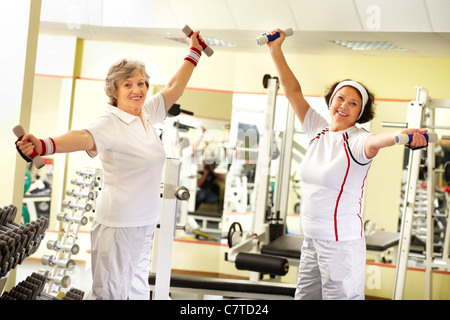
x=407 y=138
x=8 y=214
x=71 y=248
x=79 y=206
x=64 y=217
x=12 y=239
x=7 y=258
x=261 y=40
x=81 y=183
x=41 y=224
x=29 y=289
x=34 y=157
x=26 y=232
x=4 y=254
x=50 y=260
x=16 y=252
x=61 y=280
x=34 y=288
x=188 y=32
x=87 y=172
x=89 y=195
x=36 y=283
x=73 y=294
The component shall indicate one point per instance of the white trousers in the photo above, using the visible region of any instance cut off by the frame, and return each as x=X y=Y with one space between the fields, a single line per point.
x=332 y=270
x=120 y=262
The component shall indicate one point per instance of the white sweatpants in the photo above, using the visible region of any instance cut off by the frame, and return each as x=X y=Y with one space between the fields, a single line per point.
x=120 y=262
x=332 y=270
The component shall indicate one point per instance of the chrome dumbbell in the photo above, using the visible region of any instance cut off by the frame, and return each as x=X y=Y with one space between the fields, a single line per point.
x=89 y=195
x=65 y=217
x=69 y=247
x=61 y=280
x=81 y=183
x=79 y=206
x=50 y=260
x=87 y=172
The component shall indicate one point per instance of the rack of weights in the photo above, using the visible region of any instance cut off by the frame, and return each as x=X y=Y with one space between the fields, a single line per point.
x=17 y=242
x=32 y=289
x=83 y=195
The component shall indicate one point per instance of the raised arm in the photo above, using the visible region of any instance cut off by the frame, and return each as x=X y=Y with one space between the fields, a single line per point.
x=175 y=88
x=75 y=140
x=375 y=142
x=289 y=82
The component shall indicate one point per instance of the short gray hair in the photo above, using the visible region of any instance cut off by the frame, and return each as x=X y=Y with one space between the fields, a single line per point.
x=121 y=71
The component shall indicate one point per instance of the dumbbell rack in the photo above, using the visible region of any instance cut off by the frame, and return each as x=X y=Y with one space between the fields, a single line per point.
x=84 y=194
x=17 y=242
x=417 y=255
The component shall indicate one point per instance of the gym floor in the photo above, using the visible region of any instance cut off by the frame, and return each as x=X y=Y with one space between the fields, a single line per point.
x=81 y=279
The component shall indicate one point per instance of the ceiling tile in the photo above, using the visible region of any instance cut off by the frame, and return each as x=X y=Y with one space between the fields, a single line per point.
x=336 y=15
x=202 y=14
x=398 y=15
x=262 y=15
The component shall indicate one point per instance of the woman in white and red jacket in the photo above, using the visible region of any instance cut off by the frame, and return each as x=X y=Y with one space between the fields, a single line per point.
x=333 y=173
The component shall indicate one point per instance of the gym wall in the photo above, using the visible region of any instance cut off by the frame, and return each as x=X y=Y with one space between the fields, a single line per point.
x=392 y=79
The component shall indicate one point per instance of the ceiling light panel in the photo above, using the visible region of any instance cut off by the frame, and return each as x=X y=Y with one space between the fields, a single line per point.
x=368 y=45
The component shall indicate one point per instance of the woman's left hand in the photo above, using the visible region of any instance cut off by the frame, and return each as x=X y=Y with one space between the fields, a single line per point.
x=418 y=138
x=194 y=41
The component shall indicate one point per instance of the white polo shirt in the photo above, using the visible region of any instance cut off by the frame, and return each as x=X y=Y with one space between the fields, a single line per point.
x=132 y=158
x=333 y=173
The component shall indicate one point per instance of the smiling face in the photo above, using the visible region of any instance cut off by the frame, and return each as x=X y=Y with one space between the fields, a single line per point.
x=131 y=94
x=345 y=108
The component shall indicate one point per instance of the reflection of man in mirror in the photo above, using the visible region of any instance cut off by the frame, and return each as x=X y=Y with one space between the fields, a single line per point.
x=208 y=190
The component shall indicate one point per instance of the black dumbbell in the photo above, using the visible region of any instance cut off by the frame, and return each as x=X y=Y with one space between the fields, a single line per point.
x=34 y=229
x=12 y=244
x=73 y=294
x=22 y=236
x=7 y=214
x=26 y=293
x=5 y=256
x=31 y=286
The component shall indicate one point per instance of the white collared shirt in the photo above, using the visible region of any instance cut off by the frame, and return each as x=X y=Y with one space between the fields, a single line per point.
x=132 y=157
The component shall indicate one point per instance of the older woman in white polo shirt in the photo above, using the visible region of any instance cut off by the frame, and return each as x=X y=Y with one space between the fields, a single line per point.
x=333 y=173
x=132 y=158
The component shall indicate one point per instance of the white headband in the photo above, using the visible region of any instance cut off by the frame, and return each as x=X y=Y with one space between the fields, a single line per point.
x=357 y=86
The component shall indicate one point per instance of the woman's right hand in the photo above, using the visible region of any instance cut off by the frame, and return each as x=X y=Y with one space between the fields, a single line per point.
x=28 y=143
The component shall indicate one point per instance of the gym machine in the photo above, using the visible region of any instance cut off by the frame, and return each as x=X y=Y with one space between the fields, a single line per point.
x=83 y=199
x=268 y=216
x=421 y=114
x=165 y=230
x=239 y=242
